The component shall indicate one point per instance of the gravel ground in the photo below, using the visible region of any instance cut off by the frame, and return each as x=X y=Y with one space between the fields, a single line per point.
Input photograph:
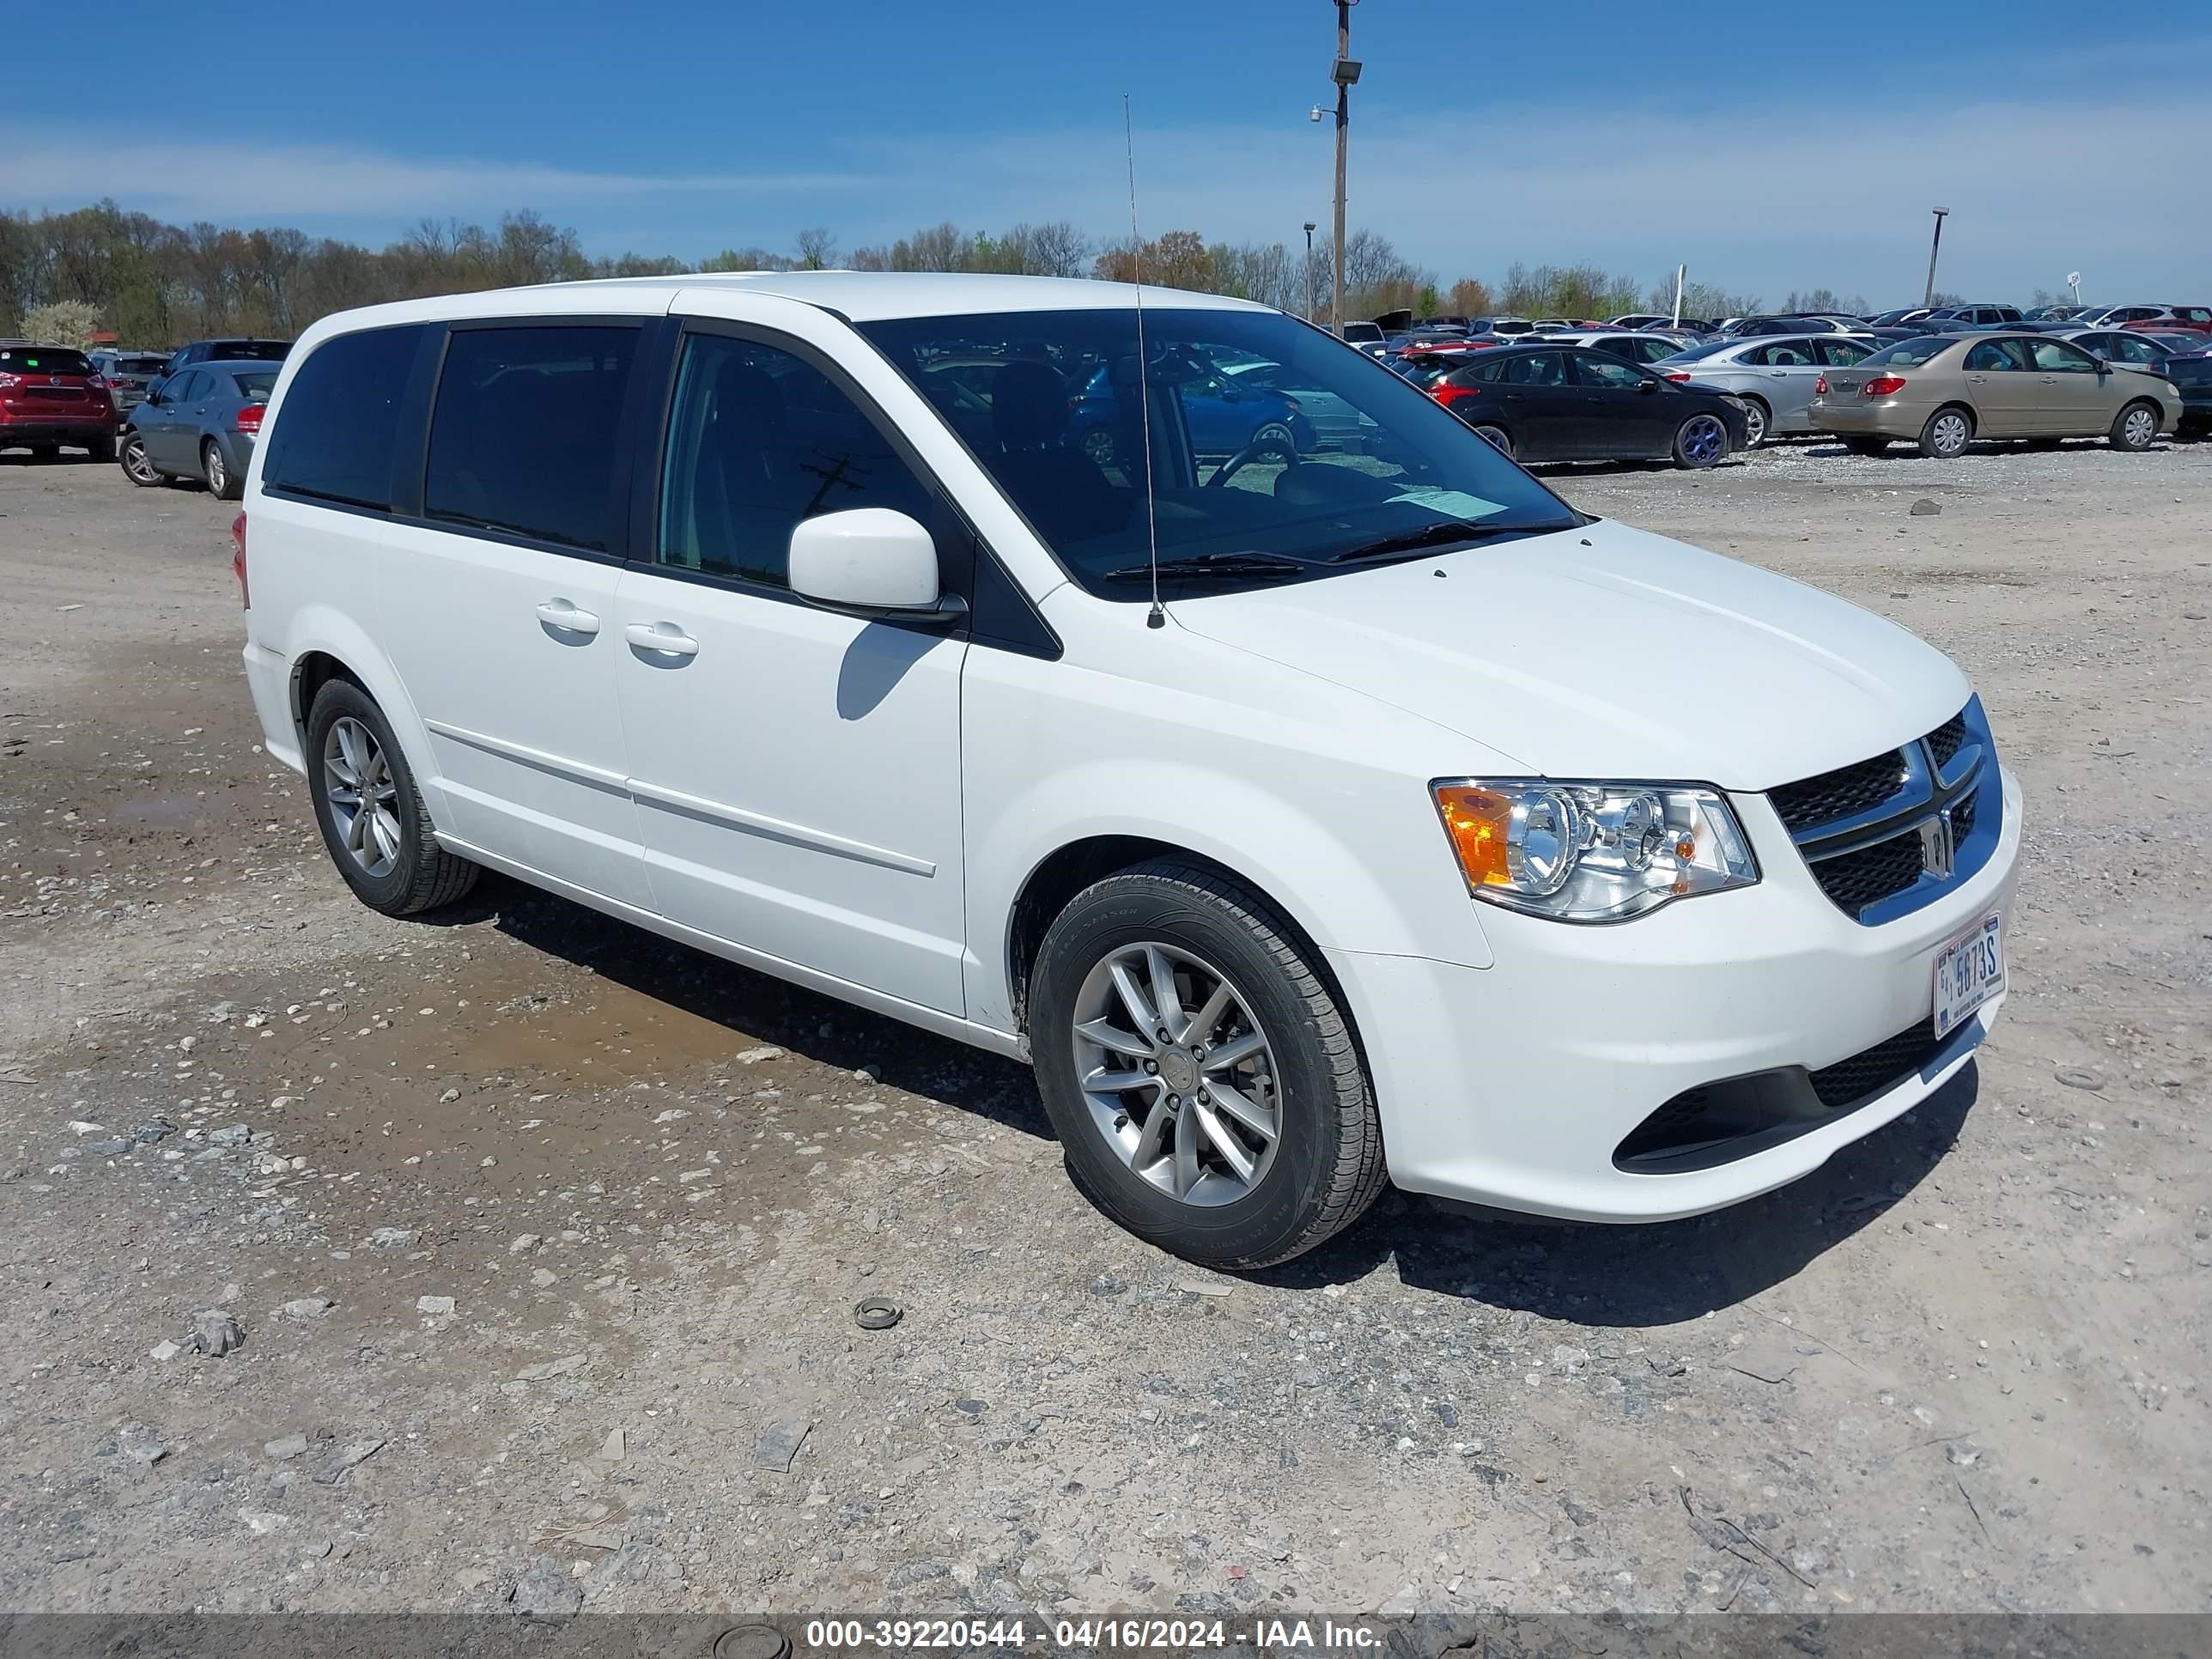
x=544 y=1236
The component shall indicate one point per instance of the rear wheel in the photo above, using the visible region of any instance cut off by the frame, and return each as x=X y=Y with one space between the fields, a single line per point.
x=1948 y=432
x=1498 y=437
x=1206 y=1085
x=217 y=470
x=374 y=825
x=1701 y=442
x=1757 y=417
x=1867 y=446
x=138 y=466
x=2136 y=428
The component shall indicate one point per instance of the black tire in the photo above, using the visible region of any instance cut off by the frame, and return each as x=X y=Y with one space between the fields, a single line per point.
x=1758 y=421
x=424 y=875
x=138 y=466
x=1327 y=1165
x=1867 y=446
x=1946 y=433
x=43 y=452
x=1695 y=448
x=226 y=484
x=101 y=449
x=2134 y=428
x=1275 y=439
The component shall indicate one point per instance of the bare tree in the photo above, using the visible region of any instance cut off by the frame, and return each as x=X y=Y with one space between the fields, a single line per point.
x=818 y=249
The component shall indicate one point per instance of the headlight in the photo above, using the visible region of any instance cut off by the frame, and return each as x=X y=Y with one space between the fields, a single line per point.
x=1591 y=852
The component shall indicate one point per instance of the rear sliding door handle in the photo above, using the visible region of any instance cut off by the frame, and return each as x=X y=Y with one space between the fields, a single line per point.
x=664 y=637
x=563 y=615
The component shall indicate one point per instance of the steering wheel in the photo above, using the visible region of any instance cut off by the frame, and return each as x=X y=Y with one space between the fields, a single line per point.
x=1284 y=448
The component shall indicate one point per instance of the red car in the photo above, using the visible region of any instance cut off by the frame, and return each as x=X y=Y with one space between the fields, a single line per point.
x=50 y=396
x=2197 y=317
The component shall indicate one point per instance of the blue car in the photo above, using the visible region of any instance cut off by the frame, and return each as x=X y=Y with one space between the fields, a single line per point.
x=1224 y=417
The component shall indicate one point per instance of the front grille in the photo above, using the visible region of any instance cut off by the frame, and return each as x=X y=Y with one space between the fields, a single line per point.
x=1962 y=816
x=1840 y=793
x=1854 y=880
x=1946 y=740
x=1870 y=1071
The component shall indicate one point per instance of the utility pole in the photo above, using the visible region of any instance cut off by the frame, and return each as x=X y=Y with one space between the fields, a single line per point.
x=1934 y=247
x=1345 y=72
x=1309 y=293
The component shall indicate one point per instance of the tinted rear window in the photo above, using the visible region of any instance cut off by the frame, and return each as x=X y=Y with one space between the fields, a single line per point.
x=273 y=351
x=524 y=437
x=337 y=431
x=253 y=386
x=42 y=360
x=141 y=365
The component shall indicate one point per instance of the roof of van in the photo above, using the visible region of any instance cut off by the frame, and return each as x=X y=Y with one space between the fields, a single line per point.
x=860 y=296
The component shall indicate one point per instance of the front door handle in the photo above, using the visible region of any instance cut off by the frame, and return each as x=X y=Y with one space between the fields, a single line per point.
x=666 y=637
x=564 y=615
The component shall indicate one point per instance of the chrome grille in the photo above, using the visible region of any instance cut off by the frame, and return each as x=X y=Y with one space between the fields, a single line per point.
x=1887 y=834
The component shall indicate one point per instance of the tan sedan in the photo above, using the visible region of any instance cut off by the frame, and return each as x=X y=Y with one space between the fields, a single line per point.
x=1942 y=391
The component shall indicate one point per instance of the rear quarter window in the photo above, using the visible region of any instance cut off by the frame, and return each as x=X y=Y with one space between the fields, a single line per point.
x=336 y=433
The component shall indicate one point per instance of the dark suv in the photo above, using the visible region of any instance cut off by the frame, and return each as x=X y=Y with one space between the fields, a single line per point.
x=203 y=351
x=128 y=373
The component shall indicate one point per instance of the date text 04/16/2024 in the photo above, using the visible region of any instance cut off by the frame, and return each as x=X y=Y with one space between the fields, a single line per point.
x=1288 y=1636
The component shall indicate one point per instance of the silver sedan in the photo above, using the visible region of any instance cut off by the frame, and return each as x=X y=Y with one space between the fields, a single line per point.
x=1774 y=374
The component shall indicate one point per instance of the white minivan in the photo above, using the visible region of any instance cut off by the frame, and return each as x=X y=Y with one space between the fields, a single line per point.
x=1313 y=803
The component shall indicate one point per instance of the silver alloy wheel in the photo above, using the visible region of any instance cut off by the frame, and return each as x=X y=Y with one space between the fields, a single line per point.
x=1179 y=1075
x=2140 y=427
x=217 y=474
x=1754 y=422
x=1951 y=432
x=363 y=798
x=136 y=462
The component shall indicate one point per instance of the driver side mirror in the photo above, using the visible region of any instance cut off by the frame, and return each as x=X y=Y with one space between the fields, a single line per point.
x=873 y=562
x=153 y=395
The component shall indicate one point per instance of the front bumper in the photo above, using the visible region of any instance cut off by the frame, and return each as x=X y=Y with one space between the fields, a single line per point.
x=1513 y=1085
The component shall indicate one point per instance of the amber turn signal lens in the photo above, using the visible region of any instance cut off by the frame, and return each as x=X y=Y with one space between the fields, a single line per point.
x=1476 y=820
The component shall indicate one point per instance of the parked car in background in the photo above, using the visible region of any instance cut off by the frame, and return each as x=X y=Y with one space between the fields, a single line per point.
x=128 y=373
x=1639 y=320
x=1503 y=326
x=229 y=351
x=1774 y=376
x=200 y=423
x=2177 y=342
x=1636 y=347
x=51 y=397
x=1944 y=390
x=1953 y=319
x=2114 y=316
x=2190 y=316
x=1748 y=328
x=1366 y=335
x=2053 y=314
x=1224 y=417
x=1560 y=402
x=1337 y=426
x=1898 y=317
x=2126 y=348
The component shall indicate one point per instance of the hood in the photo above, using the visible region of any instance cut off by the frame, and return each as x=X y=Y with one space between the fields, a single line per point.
x=1609 y=653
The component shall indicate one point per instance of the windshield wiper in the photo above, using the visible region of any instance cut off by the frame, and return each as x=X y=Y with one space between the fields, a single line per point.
x=1215 y=564
x=1437 y=535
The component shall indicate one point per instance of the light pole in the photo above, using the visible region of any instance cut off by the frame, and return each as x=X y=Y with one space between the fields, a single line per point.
x=1310 y=303
x=1345 y=71
x=1928 y=297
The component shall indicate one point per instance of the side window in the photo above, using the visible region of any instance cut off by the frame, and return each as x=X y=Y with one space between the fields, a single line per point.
x=1994 y=356
x=1606 y=372
x=2130 y=349
x=524 y=433
x=1840 y=354
x=760 y=439
x=1790 y=357
x=1755 y=357
x=190 y=386
x=1537 y=369
x=338 y=430
x=2055 y=356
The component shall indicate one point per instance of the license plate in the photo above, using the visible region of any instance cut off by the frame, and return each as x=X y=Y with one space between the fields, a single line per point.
x=1969 y=971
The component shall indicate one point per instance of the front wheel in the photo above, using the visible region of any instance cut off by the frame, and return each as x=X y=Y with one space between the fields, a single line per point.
x=138 y=466
x=227 y=485
x=370 y=810
x=2136 y=429
x=1497 y=438
x=1207 y=1091
x=1700 y=441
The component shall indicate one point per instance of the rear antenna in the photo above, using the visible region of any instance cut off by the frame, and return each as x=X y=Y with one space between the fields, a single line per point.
x=1157 y=617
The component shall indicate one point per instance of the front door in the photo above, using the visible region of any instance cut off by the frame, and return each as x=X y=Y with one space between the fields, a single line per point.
x=2074 y=392
x=1625 y=409
x=168 y=429
x=796 y=771
x=501 y=609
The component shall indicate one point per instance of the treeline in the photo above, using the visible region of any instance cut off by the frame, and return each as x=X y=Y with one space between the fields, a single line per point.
x=153 y=283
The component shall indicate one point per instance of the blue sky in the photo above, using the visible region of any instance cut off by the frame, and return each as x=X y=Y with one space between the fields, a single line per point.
x=1769 y=147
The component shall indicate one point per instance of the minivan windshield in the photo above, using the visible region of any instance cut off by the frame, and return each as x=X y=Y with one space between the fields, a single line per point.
x=1274 y=452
